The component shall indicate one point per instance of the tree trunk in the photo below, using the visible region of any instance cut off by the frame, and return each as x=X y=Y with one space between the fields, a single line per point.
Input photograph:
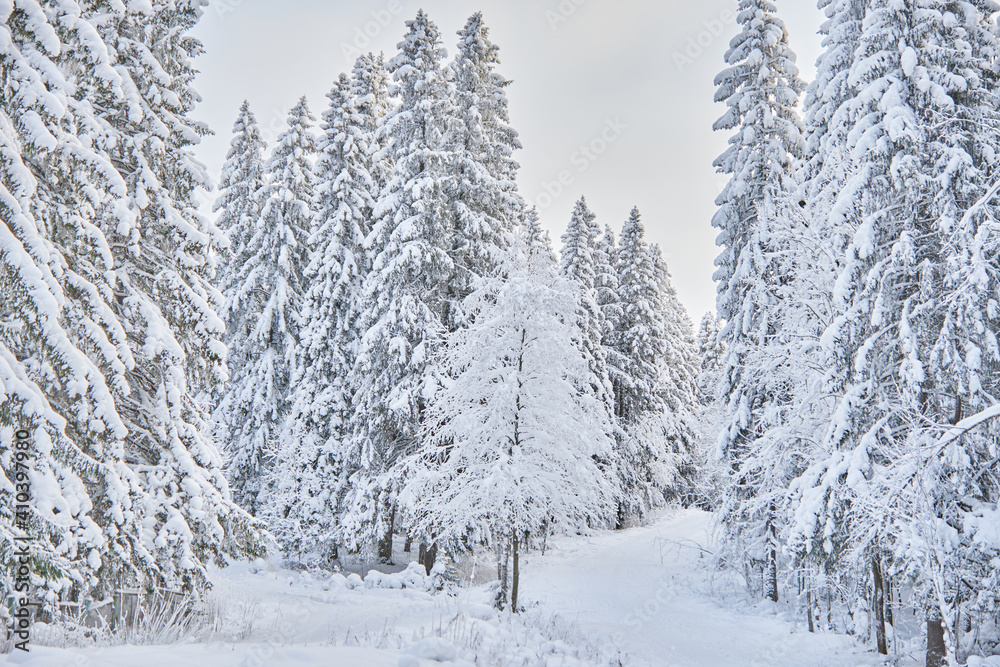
x=502 y=552
x=809 y=610
x=772 y=558
x=888 y=607
x=936 y=650
x=620 y=520
x=408 y=544
x=878 y=606
x=430 y=556
x=421 y=553
x=515 y=574
x=385 y=544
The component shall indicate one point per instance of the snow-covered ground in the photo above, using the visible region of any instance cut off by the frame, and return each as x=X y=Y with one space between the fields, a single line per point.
x=651 y=589
x=643 y=596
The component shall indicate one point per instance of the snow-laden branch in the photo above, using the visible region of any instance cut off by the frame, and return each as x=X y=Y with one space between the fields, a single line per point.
x=971 y=422
x=990 y=194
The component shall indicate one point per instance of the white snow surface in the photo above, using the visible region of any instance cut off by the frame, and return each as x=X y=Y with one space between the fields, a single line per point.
x=641 y=596
x=652 y=589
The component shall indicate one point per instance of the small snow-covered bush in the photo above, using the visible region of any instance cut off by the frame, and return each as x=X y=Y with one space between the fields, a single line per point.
x=414 y=576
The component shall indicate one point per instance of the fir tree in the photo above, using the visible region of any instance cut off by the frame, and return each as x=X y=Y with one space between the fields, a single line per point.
x=761 y=89
x=678 y=381
x=268 y=297
x=909 y=347
x=407 y=294
x=646 y=465
x=318 y=456
x=580 y=250
x=607 y=286
x=238 y=205
x=487 y=204
x=106 y=271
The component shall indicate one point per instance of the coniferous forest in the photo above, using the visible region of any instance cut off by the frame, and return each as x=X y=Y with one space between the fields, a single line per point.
x=368 y=367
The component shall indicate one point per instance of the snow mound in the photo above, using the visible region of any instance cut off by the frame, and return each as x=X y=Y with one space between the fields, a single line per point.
x=482 y=612
x=433 y=648
x=413 y=576
x=976 y=661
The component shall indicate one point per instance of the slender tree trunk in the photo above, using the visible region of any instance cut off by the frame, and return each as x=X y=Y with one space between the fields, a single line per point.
x=421 y=552
x=772 y=557
x=888 y=608
x=809 y=610
x=385 y=544
x=515 y=574
x=408 y=544
x=430 y=557
x=502 y=552
x=936 y=650
x=958 y=618
x=878 y=604
x=620 y=520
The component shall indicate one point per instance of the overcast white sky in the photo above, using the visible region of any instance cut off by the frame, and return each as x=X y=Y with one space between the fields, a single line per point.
x=636 y=72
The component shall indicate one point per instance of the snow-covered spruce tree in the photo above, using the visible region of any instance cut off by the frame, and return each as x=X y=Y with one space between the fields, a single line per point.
x=580 y=250
x=487 y=204
x=678 y=381
x=646 y=468
x=238 y=206
x=318 y=455
x=266 y=298
x=537 y=237
x=407 y=295
x=63 y=351
x=606 y=284
x=911 y=346
x=760 y=88
x=105 y=273
x=710 y=354
x=825 y=97
x=511 y=440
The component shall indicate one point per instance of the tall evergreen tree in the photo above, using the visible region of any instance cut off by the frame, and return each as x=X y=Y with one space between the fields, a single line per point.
x=579 y=256
x=318 y=456
x=268 y=297
x=910 y=346
x=826 y=94
x=238 y=206
x=606 y=283
x=645 y=459
x=408 y=291
x=106 y=273
x=487 y=204
x=761 y=89
x=678 y=382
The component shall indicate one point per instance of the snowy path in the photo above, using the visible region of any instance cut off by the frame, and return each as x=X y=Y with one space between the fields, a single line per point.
x=653 y=595
x=641 y=595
